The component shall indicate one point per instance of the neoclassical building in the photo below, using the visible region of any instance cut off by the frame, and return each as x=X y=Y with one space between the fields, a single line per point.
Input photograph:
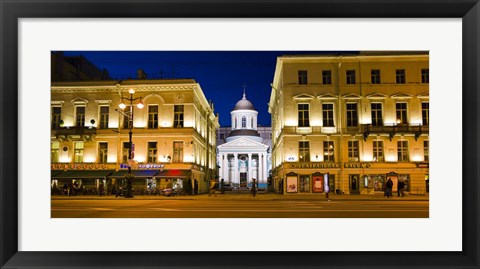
x=355 y=120
x=173 y=133
x=243 y=151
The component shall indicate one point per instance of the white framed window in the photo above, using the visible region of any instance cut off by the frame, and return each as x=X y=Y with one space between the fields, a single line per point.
x=303 y=115
x=178 y=116
x=352 y=114
x=327 y=113
x=377 y=111
x=425 y=113
x=328 y=151
x=177 y=151
x=353 y=151
x=55 y=148
x=78 y=151
x=152 y=117
x=56 y=116
x=304 y=151
x=402 y=150
x=401 y=111
x=104 y=114
x=152 y=152
x=79 y=116
x=378 y=151
x=102 y=152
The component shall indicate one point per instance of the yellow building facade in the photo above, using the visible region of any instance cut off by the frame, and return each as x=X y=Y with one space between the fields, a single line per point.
x=348 y=123
x=173 y=134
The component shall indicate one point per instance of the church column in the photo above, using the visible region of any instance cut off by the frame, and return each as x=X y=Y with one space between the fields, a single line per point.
x=235 y=168
x=260 y=168
x=223 y=167
x=250 y=172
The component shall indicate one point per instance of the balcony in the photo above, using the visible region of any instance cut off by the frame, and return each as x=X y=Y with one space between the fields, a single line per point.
x=391 y=130
x=75 y=133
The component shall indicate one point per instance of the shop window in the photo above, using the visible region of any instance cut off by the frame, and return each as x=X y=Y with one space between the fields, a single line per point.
x=56 y=117
x=378 y=181
x=55 y=147
x=327 y=77
x=178 y=117
x=104 y=112
x=102 y=152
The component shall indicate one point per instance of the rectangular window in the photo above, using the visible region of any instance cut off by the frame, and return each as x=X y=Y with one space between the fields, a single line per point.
x=78 y=152
x=425 y=151
x=352 y=115
x=126 y=118
x=303 y=115
x=80 y=116
x=126 y=147
x=178 y=116
x=376 y=114
x=328 y=115
x=401 y=109
x=104 y=117
x=375 y=75
x=102 y=152
x=56 y=117
x=351 y=77
x=378 y=151
x=222 y=136
x=327 y=77
x=328 y=151
x=302 y=77
x=55 y=147
x=177 y=151
x=402 y=147
x=425 y=75
x=425 y=113
x=153 y=117
x=400 y=76
x=303 y=151
x=353 y=151
x=152 y=152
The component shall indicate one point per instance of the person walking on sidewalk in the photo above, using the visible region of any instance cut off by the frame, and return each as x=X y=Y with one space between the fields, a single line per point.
x=254 y=188
x=212 y=188
x=400 y=187
x=389 y=187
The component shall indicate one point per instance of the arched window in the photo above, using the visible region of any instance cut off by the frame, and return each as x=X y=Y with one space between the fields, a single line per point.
x=244 y=122
x=251 y=123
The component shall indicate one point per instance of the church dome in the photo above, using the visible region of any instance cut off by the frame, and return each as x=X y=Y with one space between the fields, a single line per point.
x=244 y=104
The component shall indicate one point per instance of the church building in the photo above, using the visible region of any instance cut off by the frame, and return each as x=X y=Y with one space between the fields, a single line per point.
x=243 y=151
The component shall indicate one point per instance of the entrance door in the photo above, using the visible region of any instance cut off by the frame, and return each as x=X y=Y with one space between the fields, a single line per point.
x=304 y=184
x=354 y=184
x=243 y=179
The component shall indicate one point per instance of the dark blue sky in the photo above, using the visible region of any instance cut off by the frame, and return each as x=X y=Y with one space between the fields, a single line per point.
x=221 y=74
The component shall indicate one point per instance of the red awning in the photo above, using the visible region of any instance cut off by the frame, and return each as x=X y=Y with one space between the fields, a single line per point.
x=174 y=173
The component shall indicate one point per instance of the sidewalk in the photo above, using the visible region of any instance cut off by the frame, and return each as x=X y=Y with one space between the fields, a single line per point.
x=260 y=196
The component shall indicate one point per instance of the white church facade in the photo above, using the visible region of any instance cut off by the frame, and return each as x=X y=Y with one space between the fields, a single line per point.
x=244 y=149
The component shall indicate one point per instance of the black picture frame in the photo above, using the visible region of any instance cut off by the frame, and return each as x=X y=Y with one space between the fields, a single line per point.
x=11 y=11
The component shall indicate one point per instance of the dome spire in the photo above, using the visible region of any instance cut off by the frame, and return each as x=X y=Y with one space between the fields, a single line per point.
x=244 y=87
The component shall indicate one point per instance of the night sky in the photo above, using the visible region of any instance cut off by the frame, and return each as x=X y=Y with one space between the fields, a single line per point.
x=221 y=74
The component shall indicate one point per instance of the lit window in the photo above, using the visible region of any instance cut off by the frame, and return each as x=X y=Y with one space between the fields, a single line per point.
x=328 y=151
x=425 y=113
x=401 y=109
x=378 y=151
x=80 y=116
x=402 y=147
x=126 y=117
x=304 y=151
x=425 y=151
x=152 y=152
x=102 y=152
x=55 y=146
x=78 y=152
x=353 y=151
x=178 y=117
x=152 y=117
x=377 y=114
x=177 y=152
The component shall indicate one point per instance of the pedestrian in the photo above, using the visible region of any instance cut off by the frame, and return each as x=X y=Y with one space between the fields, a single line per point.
x=100 y=189
x=401 y=186
x=254 y=188
x=212 y=188
x=118 y=192
x=195 y=187
x=222 y=188
x=389 y=187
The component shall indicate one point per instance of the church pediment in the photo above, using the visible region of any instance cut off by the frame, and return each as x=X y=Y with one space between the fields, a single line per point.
x=242 y=144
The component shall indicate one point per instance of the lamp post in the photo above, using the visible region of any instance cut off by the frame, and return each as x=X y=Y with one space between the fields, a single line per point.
x=129 y=177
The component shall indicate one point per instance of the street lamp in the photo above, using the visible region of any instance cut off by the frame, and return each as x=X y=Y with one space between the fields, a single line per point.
x=122 y=106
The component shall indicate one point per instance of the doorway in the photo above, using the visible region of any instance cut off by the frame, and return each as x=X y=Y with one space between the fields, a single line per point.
x=243 y=179
x=354 y=181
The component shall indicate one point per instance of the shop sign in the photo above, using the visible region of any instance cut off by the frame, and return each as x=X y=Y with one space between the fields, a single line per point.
x=82 y=166
x=357 y=165
x=144 y=166
x=315 y=165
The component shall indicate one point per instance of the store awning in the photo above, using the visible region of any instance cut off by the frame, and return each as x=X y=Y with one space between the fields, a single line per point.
x=136 y=173
x=174 y=173
x=82 y=173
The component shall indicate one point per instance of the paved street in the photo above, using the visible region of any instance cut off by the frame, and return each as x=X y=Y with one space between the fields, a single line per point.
x=239 y=206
